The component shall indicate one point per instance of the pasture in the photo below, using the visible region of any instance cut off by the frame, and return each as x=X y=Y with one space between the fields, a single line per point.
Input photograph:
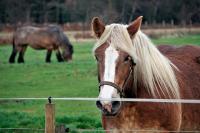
x=36 y=78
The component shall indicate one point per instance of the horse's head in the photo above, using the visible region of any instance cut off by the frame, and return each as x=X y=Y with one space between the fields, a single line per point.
x=67 y=48
x=67 y=52
x=115 y=66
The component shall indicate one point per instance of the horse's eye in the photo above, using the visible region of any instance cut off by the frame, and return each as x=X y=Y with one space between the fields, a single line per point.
x=128 y=58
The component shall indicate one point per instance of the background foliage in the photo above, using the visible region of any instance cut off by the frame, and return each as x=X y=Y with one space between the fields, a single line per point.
x=62 y=11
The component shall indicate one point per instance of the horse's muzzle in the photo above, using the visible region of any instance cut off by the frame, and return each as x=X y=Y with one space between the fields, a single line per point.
x=110 y=109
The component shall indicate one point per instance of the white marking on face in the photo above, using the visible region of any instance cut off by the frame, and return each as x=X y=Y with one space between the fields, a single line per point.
x=108 y=92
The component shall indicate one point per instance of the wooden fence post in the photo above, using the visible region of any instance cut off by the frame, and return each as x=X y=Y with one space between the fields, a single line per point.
x=50 y=118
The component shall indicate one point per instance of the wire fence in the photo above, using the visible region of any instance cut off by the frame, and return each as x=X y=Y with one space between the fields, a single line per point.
x=96 y=130
x=22 y=129
x=134 y=131
x=190 y=101
x=55 y=100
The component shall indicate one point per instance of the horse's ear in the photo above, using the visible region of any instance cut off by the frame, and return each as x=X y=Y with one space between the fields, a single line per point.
x=134 y=26
x=98 y=27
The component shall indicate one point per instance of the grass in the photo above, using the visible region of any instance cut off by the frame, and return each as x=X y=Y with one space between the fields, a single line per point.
x=181 y=40
x=36 y=78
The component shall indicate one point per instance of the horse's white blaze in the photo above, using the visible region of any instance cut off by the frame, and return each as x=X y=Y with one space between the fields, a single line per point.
x=107 y=92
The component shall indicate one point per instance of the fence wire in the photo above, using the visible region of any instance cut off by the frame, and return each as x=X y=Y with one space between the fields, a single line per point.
x=191 y=101
x=131 y=131
x=27 y=130
x=97 y=130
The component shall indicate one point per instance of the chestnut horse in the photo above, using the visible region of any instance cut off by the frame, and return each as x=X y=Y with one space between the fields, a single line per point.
x=49 y=38
x=130 y=66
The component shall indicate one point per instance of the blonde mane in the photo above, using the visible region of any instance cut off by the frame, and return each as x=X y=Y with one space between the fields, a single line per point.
x=153 y=70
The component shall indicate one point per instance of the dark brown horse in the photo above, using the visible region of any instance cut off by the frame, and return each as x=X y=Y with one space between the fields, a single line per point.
x=130 y=66
x=49 y=38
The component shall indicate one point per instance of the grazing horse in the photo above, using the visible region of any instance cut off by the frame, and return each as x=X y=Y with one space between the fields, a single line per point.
x=130 y=66
x=49 y=38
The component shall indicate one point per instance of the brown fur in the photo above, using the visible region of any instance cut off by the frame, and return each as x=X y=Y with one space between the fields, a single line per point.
x=189 y=79
x=98 y=27
x=134 y=27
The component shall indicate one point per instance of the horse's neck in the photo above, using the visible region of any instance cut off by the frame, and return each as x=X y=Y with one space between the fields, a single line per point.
x=130 y=89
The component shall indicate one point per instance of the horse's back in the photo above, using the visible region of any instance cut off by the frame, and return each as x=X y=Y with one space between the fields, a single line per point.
x=180 y=51
x=37 y=38
x=21 y=33
x=186 y=58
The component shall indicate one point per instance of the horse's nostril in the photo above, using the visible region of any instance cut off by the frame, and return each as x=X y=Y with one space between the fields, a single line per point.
x=109 y=109
x=98 y=104
x=116 y=105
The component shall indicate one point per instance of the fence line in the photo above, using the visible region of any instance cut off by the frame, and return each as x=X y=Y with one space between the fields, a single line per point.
x=191 y=101
x=33 y=129
x=133 y=131
x=102 y=130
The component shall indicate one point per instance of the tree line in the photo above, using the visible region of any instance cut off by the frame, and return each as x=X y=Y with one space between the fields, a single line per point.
x=123 y=11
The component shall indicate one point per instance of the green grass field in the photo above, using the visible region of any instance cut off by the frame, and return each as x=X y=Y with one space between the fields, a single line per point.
x=36 y=78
